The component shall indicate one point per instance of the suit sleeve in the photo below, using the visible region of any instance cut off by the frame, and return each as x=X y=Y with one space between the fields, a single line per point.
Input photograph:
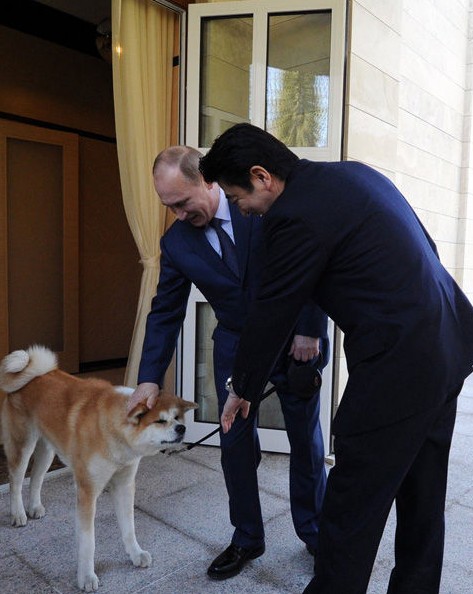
x=293 y=264
x=312 y=321
x=164 y=321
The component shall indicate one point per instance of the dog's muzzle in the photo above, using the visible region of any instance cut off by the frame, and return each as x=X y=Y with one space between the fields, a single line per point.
x=180 y=430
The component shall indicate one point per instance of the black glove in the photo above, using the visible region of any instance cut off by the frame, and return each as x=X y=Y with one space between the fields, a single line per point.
x=303 y=379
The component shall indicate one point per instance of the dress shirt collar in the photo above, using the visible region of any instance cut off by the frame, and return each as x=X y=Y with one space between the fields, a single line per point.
x=223 y=210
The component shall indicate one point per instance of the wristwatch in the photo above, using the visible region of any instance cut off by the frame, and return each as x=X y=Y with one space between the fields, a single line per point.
x=229 y=385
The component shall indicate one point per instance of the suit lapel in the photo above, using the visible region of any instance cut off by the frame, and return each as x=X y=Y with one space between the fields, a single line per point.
x=198 y=243
x=195 y=237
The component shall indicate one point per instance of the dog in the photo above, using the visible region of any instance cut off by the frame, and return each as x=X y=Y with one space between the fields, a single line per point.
x=85 y=421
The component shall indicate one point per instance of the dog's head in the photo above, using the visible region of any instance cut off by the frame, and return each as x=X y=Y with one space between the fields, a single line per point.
x=162 y=426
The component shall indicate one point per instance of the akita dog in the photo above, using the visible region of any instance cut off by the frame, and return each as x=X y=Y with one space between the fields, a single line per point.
x=85 y=421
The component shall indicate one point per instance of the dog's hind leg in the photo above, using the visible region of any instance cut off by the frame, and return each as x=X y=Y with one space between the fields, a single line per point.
x=42 y=459
x=18 y=452
x=123 y=493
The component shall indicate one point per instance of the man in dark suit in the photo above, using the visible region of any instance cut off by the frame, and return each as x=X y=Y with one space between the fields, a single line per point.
x=343 y=235
x=193 y=252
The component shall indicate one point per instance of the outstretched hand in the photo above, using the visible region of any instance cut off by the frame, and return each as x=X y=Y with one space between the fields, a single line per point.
x=233 y=405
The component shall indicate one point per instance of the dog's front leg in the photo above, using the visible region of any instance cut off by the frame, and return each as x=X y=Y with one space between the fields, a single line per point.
x=85 y=516
x=123 y=493
x=43 y=457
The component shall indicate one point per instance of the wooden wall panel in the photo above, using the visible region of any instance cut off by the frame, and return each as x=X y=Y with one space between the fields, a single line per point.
x=39 y=219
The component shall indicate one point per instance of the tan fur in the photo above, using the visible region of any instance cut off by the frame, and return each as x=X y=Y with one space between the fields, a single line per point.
x=86 y=423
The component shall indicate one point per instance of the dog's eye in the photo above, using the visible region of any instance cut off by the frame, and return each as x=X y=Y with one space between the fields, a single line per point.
x=176 y=418
x=161 y=421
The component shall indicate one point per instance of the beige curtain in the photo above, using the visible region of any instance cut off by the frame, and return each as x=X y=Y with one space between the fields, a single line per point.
x=143 y=36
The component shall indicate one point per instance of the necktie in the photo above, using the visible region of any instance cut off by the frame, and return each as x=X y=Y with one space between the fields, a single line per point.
x=227 y=246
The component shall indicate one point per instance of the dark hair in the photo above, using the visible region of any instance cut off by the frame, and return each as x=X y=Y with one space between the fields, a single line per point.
x=186 y=158
x=238 y=149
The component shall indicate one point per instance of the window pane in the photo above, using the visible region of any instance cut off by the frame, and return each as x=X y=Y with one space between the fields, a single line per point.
x=205 y=393
x=226 y=56
x=270 y=416
x=297 y=79
x=270 y=413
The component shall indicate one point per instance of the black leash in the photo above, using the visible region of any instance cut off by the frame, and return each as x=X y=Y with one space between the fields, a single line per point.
x=190 y=446
x=303 y=378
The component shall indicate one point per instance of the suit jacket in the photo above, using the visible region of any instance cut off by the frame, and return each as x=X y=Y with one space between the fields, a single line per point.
x=342 y=234
x=186 y=258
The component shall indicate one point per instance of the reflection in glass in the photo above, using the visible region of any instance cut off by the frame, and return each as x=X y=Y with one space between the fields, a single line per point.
x=205 y=394
x=226 y=56
x=270 y=413
x=297 y=78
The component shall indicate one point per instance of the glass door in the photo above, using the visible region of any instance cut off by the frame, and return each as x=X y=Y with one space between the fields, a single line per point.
x=278 y=65
x=198 y=383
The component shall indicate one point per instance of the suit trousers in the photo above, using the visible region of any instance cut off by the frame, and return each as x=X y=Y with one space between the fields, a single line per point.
x=406 y=462
x=241 y=455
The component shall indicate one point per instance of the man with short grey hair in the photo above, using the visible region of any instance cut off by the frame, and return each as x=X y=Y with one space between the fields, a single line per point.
x=220 y=251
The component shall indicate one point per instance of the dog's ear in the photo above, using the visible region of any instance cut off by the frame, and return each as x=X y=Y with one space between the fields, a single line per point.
x=187 y=405
x=137 y=413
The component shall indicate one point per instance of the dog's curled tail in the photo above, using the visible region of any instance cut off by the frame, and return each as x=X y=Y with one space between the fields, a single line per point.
x=20 y=367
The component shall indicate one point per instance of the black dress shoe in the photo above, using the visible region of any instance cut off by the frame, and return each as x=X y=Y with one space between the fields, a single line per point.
x=310 y=550
x=231 y=561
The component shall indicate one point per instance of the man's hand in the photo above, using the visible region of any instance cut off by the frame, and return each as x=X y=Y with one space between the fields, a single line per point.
x=230 y=410
x=304 y=348
x=146 y=392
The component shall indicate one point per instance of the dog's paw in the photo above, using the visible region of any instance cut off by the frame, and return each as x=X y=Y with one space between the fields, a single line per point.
x=36 y=512
x=141 y=559
x=89 y=582
x=18 y=519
